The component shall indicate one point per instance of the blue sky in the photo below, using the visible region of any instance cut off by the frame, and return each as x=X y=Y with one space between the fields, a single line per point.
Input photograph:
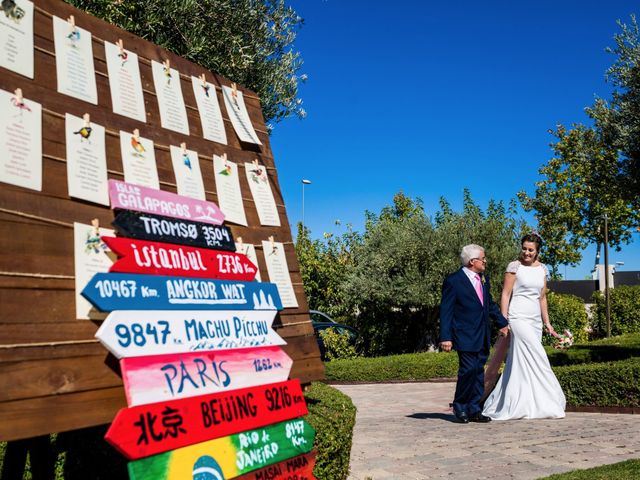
x=432 y=97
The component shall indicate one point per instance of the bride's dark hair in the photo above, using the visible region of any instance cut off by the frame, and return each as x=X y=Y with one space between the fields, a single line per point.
x=533 y=238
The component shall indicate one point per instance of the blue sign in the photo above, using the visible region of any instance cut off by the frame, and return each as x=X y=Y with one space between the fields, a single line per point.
x=129 y=291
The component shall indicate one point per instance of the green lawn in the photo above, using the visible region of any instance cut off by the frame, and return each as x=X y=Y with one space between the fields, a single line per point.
x=629 y=470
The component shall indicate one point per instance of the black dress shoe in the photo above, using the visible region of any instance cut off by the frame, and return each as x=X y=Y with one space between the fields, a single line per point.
x=462 y=417
x=479 y=418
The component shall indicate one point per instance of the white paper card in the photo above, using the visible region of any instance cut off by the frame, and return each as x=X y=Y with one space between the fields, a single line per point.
x=186 y=167
x=16 y=37
x=228 y=188
x=20 y=142
x=89 y=258
x=278 y=271
x=74 y=61
x=86 y=161
x=209 y=109
x=139 y=161
x=173 y=114
x=250 y=251
x=239 y=116
x=262 y=194
x=125 y=83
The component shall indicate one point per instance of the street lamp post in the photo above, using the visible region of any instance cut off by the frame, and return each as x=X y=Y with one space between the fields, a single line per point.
x=606 y=274
x=304 y=182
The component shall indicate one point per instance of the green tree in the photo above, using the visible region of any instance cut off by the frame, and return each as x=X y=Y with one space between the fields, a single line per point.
x=619 y=119
x=581 y=183
x=323 y=267
x=595 y=170
x=395 y=282
x=248 y=41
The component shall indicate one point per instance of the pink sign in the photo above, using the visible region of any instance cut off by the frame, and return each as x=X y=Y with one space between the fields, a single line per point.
x=155 y=378
x=128 y=196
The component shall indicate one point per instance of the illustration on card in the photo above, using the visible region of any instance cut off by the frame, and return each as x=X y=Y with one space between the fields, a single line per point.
x=93 y=243
x=122 y=53
x=85 y=131
x=136 y=144
x=258 y=174
x=18 y=101
x=74 y=37
x=12 y=11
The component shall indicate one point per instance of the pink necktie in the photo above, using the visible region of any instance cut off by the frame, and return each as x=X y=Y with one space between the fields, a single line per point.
x=478 y=283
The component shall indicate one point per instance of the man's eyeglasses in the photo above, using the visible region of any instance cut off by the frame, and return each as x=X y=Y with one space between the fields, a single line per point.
x=483 y=260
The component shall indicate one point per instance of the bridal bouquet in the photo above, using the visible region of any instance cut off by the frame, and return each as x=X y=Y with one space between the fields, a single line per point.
x=564 y=341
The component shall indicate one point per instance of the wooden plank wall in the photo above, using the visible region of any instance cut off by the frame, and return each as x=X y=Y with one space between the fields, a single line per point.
x=54 y=376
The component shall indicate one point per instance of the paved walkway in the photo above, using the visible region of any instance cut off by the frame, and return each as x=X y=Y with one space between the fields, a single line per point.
x=405 y=431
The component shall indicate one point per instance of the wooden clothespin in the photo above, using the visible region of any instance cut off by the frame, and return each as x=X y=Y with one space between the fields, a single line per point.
x=96 y=226
x=183 y=147
x=136 y=134
x=72 y=22
x=256 y=163
x=203 y=80
x=239 y=242
x=234 y=90
x=167 y=64
x=19 y=98
x=224 y=157
x=120 y=45
x=273 y=245
x=87 y=119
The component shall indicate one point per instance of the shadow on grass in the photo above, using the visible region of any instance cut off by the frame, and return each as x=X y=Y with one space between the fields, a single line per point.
x=579 y=354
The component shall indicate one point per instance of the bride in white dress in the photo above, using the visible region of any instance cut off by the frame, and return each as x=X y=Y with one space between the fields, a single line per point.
x=527 y=388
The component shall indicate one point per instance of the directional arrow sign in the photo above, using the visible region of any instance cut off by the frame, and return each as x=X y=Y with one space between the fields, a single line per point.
x=140 y=256
x=145 y=226
x=146 y=430
x=129 y=291
x=298 y=468
x=128 y=196
x=228 y=457
x=181 y=375
x=134 y=333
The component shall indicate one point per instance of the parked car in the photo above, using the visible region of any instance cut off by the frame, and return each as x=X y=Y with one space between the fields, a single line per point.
x=321 y=321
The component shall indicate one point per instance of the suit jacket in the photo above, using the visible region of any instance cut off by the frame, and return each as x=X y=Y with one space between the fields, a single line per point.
x=463 y=319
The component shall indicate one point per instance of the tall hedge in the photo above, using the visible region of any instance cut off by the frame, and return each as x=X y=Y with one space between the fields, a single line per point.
x=567 y=312
x=611 y=384
x=333 y=416
x=625 y=311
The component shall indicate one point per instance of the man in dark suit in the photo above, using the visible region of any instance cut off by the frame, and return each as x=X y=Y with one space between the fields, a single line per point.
x=465 y=326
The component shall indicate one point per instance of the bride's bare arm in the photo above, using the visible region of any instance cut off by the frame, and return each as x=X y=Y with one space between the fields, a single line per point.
x=507 y=288
x=544 y=311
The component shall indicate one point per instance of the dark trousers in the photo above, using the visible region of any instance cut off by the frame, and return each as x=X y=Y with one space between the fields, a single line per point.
x=470 y=386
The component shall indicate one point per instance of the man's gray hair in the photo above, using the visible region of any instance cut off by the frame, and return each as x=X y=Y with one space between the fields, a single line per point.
x=468 y=252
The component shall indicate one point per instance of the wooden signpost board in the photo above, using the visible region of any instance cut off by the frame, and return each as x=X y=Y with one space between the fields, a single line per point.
x=158 y=228
x=146 y=430
x=130 y=291
x=135 y=333
x=229 y=456
x=140 y=256
x=164 y=377
x=49 y=360
x=296 y=468
x=127 y=196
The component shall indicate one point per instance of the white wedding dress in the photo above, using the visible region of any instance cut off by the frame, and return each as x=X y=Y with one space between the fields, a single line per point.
x=527 y=388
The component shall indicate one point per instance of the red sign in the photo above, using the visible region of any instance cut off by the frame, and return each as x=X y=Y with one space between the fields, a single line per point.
x=299 y=468
x=140 y=256
x=146 y=430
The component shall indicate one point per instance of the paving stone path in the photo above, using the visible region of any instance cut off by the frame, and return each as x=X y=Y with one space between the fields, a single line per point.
x=405 y=431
